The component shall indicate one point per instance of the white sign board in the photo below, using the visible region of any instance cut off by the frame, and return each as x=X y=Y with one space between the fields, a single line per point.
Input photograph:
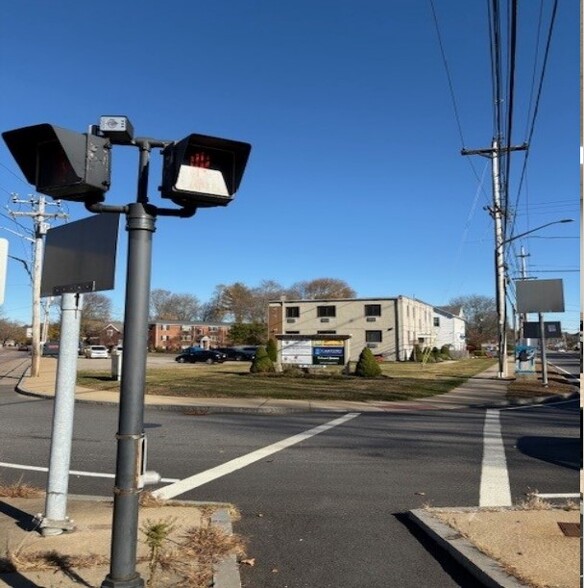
x=296 y=352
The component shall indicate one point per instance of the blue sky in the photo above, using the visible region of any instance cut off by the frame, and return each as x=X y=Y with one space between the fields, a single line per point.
x=355 y=171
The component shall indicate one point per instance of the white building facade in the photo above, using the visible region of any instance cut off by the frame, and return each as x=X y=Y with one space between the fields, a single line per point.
x=450 y=329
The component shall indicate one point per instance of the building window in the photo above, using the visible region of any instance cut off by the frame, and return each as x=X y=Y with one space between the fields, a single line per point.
x=326 y=311
x=164 y=327
x=326 y=332
x=292 y=332
x=373 y=310
x=292 y=312
x=436 y=321
x=185 y=328
x=373 y=337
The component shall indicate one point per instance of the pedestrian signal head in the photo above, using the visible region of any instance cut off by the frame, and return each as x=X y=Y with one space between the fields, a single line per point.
x=203 y=171
x=62 y=163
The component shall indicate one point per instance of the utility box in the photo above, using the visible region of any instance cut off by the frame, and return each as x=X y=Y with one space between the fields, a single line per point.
x=116 y=357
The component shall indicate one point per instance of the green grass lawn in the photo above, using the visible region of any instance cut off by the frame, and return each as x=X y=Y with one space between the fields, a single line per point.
x=399 y=381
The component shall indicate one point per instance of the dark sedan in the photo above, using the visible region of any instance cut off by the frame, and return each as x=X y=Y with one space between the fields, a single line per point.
x=237 y=354
x=204 y=355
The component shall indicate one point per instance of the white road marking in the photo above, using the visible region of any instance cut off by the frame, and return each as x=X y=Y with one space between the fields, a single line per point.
x=17 y=466
x=240 y=462
x=560 y=495
x=544 y=405
x=495 y=489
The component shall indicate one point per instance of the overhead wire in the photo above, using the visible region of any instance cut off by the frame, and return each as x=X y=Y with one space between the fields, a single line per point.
x=536 y=107
x=452 y=94
x=512 y=35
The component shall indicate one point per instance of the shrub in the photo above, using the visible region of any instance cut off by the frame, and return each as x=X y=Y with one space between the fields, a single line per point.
x=272 y=349
x=445 y=352
x=367 y=366
x=293 y=371
x=262 y=364
x=416 y=353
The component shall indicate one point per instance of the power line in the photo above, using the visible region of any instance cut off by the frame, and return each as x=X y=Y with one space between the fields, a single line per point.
x=537 y=102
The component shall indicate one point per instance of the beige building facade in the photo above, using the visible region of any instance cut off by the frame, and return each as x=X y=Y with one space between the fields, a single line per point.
x=390 y=327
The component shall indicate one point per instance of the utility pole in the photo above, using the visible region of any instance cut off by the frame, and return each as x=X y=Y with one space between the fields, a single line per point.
x=40 y=218
x=499 y=214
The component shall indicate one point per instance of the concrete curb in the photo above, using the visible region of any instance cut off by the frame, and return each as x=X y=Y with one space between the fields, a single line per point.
x=486 y=570
x=227 y=573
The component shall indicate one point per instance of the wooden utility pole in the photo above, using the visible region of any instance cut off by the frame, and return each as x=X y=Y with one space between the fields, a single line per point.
x=499 y=214
x=40 y=218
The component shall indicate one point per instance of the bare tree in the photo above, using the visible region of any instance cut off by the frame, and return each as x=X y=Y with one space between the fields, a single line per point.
x=321 y=288
x=165 y=305
x=237 y=300
x=97 y=310
x=266 y=291
x=480 y=313
x=11 y=331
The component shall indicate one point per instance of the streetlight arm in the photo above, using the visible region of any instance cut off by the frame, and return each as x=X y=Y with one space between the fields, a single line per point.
x=564 y=220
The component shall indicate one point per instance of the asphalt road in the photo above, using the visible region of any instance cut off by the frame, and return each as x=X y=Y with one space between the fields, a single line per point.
x=328 y=510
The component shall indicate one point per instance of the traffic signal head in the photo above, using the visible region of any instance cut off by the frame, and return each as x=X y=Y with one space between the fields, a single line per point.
x=203 y=171
x=62 y=163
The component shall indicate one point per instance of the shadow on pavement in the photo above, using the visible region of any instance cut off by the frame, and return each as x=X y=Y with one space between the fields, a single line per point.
x=561 y=451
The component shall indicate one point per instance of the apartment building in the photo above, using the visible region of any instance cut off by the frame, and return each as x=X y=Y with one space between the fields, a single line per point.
x=390 y=327
x=174 y=336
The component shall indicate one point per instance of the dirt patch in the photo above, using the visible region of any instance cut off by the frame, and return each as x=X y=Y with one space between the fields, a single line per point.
x=529 y=544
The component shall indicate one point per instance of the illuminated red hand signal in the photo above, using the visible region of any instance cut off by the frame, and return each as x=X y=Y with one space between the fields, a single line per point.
x=200 y=159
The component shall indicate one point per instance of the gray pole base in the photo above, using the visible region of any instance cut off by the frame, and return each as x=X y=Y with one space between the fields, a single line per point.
x=49 y=527
x=135 y=582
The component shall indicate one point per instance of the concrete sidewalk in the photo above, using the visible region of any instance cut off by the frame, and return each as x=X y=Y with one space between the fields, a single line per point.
x=526 y=543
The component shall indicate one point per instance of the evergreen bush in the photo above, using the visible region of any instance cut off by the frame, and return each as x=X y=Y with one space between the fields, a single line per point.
x=262 y=364
x=272 y=349
x=367 y=366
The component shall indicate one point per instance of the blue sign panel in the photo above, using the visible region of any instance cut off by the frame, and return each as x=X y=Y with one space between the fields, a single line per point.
x=328 y=355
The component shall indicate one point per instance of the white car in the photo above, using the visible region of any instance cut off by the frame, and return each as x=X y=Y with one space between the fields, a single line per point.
x=96 y=352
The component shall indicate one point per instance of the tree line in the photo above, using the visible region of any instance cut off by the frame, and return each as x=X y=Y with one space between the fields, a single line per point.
x=246 y=307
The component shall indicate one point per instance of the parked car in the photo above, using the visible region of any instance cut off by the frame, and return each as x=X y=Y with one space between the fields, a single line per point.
x=50 y=349
x=96 y=352
x=237 y=354
x=194 y=354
